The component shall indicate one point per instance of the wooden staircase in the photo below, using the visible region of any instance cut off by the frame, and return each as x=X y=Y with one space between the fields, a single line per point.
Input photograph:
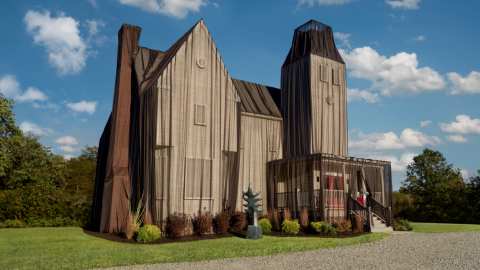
x=379 y=225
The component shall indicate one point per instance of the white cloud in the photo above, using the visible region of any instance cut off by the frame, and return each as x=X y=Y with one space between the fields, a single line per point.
x=48 y=105
x=404 y=4
x=28 y=127
x=66 y=49
x=343 y=38
x=457 y=139
x=465 y=173
x=67 y=140
x=83 y=106
x=355 y=94
x=94 y=3
x=419 y=38
x=94 y=26
x=173 y=8
x=397 y=75
x=398 y=165
x=67 y=148
x=464 y=125
x=467 y=85
x=31 y=94
x=324 y=2
x=68 y=156
x=216 y=5
x=387 y=141
x=10 y=88
x=425 y=123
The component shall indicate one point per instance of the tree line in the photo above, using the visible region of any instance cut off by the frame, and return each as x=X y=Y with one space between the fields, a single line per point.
x=36 y=184
x=435 y=191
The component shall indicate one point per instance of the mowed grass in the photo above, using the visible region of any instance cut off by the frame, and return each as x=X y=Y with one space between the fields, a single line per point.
x=443 y=227
x=70 y=248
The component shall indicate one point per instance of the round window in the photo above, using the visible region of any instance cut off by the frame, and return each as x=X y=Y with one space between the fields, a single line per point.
x=330 y=100
x=201 y=63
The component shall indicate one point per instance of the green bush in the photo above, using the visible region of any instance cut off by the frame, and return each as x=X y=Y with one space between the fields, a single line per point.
x=265 y=224
x=317 y=226
x=28 y=223
x=328 y=229
x=148 y=233
x=403 y=225
x=290 y=226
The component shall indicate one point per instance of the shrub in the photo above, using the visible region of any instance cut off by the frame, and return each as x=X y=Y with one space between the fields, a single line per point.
x=358 y=225
x=402 y=225
x=304 y=218
x=290 y=226
x=317 y=226
x=239 y=220
x=134 y=220
x=275 y=219
x=344 y=226
x=328 y=229
x=27 y=223
x=148 y=233
x=222 y=222
x=265 y=224
x=202 y=223
x=287 y=215
x=176 y=224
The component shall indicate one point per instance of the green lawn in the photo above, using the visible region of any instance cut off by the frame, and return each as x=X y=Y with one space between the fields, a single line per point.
x=442 y=227
x=53 y=248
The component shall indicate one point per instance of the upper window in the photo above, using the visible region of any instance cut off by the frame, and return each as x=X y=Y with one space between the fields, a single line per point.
x=200 y=118
x=323 y=73
x=336 y=76
x=198 y=180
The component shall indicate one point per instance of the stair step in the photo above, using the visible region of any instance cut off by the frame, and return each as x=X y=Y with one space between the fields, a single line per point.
x=384 y=229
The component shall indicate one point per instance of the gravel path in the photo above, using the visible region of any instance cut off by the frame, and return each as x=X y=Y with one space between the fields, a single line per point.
x=456 y=250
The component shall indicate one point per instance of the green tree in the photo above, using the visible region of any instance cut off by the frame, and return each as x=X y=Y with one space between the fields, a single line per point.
x=473 y=204
x=437 y=188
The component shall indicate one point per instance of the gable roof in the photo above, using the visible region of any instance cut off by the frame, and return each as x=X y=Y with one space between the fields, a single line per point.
x=256 y=98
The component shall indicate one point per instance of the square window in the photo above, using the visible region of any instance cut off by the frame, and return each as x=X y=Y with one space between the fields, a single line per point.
x=336 y=76
x=323 y=73
x=200 y=118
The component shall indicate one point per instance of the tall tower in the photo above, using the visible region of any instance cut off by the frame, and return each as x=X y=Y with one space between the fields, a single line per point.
x=314 y=94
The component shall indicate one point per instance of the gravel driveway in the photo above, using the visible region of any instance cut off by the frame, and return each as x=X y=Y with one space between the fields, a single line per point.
x=456 y=250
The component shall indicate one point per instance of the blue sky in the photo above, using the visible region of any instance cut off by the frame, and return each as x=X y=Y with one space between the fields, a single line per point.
x=413 y=75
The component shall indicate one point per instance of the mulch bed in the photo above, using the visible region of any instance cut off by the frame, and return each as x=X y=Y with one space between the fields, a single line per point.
x=190 y=238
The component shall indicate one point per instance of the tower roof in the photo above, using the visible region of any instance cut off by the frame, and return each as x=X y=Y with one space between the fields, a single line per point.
x=313 y=38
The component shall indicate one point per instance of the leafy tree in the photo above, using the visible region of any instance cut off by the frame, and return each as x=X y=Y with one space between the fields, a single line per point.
x=437 y=188
x=473 y=204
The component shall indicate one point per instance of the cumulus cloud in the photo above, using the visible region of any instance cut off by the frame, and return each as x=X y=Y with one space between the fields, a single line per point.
x=419 y=38
x=389 y=141
x=425 y=123
x=404 y=4
x=68 y=156
x=67 y=148
x=67 y=140
x=398 y=165
x=465 y=173
x=10 y=88
x=355 y=94
x=397 y=75
x=216 y=5
x=324 y=2
x=457 y=139
x=83 y=106
x=28 y=127
x=467 y=85
x=173 y=8
x=464 y=125
x=66 y=49
x=343 y=38
x=47 y=105
x=94 y=26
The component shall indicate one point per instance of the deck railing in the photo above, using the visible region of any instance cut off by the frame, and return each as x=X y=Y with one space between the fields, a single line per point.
x=359 y=211
x=383 y=212
x=334 y=199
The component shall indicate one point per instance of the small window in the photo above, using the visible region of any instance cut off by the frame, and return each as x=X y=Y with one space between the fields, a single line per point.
x=241 y=139
x=198 y=178
x=273 y=143
x=336 y=76
x=200 y=115
x=323 y=73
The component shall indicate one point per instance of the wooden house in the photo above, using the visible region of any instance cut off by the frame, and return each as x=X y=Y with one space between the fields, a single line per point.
x=188 y=137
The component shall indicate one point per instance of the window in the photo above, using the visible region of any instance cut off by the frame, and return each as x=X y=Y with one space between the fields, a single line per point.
x=336 y=76
x=241 y=139
x=200 y=115
x=161 y=172
x=323 y=73
x=273 y=143
x=198 y=178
